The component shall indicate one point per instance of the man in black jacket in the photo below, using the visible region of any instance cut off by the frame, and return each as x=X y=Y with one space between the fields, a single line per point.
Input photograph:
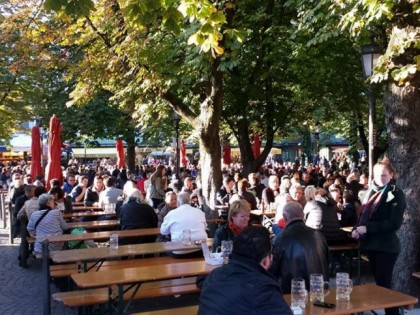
x=299 y=250
x=244 y=286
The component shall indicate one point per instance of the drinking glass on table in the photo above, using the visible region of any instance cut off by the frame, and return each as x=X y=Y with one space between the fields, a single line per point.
x=317 y=287
x=226 y=248
x=343 y=289
x=186 y=237
x=299 y=293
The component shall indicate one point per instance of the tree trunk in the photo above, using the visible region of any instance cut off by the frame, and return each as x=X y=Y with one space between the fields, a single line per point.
x=131 y=155
x=402 y=114
x=208 y=126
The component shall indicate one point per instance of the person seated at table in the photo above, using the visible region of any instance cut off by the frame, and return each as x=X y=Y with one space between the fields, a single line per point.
x=47 y=221
x=69 y=184
x=243 y=193
x=270 y=193
x=185 y=217
x=32 y=204
x=238 y=220
x=78 y=192
x=256 y=187
x=348 y=209
x=92 y=193
x=62 y=203
x=135 y=214
x=170 y=204
x=299 y=250
x=225 y=192
x=322 y=215
x=188 y=185
x=244 y=285
x=111 y=193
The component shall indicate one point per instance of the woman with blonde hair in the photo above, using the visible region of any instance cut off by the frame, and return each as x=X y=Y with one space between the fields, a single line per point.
x=238 y=220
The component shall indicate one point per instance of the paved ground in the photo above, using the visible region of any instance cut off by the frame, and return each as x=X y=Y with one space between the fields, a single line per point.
x=21 y=289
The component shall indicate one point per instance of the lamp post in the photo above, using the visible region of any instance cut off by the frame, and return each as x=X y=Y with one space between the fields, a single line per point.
x=370 y=55
x=176 y=118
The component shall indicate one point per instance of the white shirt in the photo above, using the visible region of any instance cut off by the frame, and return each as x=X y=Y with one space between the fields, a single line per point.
x=185 y=217
x=109 y=195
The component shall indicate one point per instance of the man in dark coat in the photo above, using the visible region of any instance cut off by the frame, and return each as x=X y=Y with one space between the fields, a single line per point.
x=243 y=286
x=299 y=250
x=134 y=214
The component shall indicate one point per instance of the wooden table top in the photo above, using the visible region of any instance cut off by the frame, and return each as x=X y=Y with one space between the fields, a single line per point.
x=142 y=274
x=93 y=224
x=377 y=298
x=363 y=298
x=87 y=214
x=86 y=208
x=188 y=310
x=98 y=253
x=266 y=213
x=95 y=236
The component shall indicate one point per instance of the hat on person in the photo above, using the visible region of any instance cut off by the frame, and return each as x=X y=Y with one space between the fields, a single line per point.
x=334 y=187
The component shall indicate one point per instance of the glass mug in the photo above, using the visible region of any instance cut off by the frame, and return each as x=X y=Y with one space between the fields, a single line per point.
x=186 y=237
x=343 y=289
x=317 y=287
x=342 y=276
x=226 y=249
x=299 y=293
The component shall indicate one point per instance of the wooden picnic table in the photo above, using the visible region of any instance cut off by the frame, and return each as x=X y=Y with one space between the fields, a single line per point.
x=136 y=276
x=90 y=225
x=103 y=253
x=87 y=208
x=87 y=214
x=103 y=235
x=268 y=214
x=366 y=297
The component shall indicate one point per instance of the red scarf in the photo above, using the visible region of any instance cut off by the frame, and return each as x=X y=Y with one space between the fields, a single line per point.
x=234 y=228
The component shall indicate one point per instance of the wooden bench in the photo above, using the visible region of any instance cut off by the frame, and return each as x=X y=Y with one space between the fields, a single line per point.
x=83 y=298
x=188 y=310
x=66 y=270
x=349 y=247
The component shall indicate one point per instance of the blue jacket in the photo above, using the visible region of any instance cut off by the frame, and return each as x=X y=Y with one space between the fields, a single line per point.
x=242 y=287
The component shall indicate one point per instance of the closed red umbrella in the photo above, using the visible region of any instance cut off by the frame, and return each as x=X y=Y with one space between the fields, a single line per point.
x=183 y=152
x=120 y=153
x=36 y=169
x=257 y=145
x=53 y=169
x=227 y=159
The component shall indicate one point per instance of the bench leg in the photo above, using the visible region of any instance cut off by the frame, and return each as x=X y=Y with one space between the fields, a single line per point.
x=46 y=277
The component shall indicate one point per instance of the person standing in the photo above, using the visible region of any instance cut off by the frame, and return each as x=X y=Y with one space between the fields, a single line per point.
x=381 y=216
x=158 y=185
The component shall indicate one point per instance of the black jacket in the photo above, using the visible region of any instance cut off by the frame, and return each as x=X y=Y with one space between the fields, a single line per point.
x=241 y=287
x=381 y=228
x=223 y=233
x=298 y=252
x=323 y=216
x=91 y=196
x=134 y=215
